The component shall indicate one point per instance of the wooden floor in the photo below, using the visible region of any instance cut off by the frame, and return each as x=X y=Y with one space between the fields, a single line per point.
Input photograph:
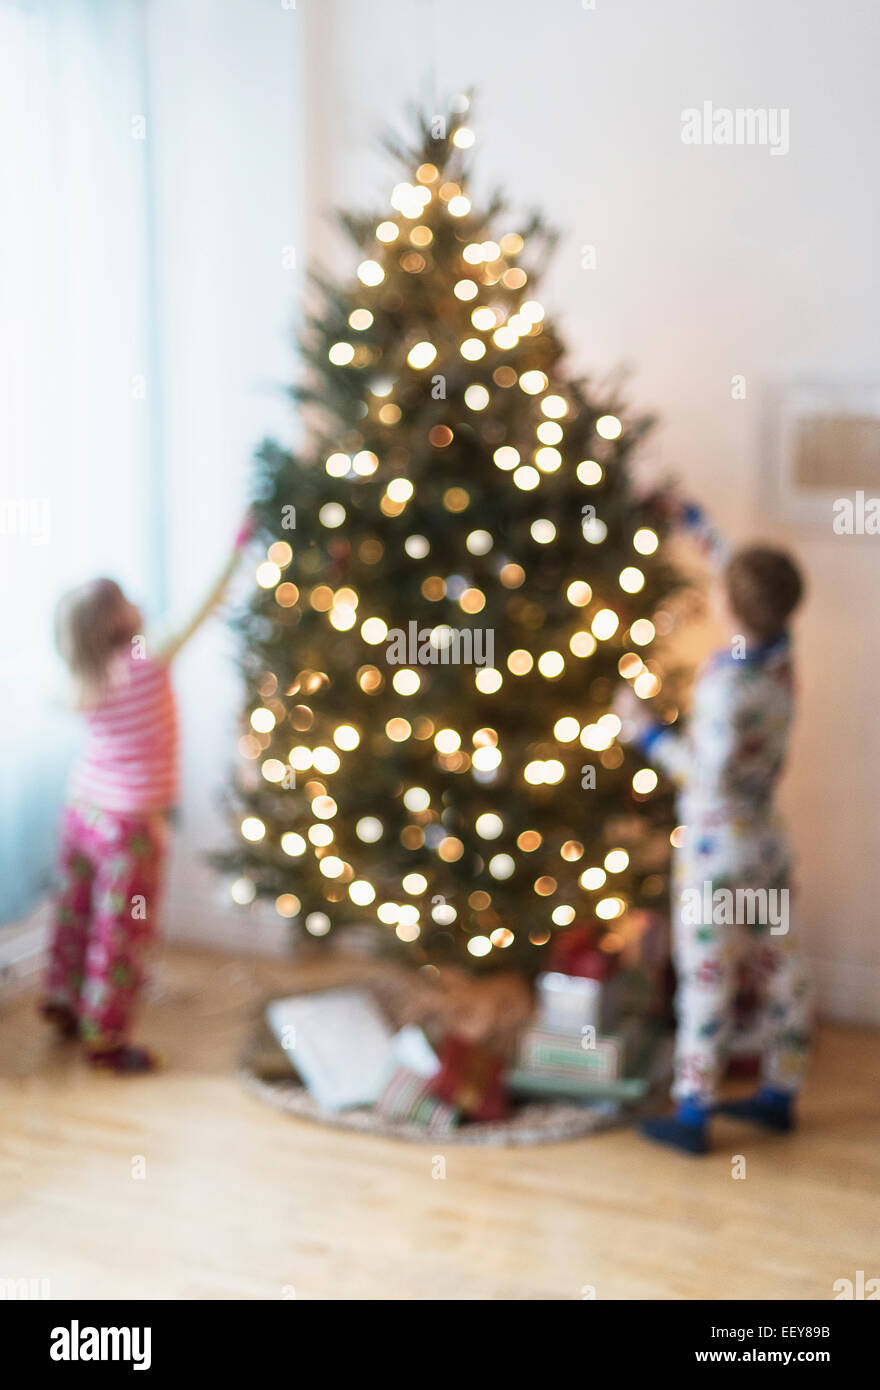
x=239 y=1201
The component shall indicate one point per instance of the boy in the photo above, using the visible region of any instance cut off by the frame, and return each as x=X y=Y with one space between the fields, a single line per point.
x=726 y=766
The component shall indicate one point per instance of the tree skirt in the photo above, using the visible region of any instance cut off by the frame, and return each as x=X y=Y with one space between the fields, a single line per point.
x=266 y=1073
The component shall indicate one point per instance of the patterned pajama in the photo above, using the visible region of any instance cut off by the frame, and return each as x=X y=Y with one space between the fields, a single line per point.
x=708 y=955
x=105 y=916
x=726 y=766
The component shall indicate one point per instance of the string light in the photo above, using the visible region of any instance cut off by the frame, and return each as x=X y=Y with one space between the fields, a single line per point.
x=646 y=541
x=644 y=781
x=370 y=273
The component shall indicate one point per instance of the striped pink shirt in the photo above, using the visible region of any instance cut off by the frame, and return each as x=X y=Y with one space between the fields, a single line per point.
x=129 y=762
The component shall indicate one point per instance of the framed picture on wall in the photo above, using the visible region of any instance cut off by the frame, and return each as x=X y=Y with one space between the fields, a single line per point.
x=823 y=446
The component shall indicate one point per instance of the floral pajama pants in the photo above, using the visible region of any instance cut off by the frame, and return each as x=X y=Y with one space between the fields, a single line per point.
x=110 y=877
x=709 y=952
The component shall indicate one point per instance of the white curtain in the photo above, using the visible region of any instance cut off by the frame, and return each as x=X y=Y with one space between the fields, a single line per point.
x=81 y=489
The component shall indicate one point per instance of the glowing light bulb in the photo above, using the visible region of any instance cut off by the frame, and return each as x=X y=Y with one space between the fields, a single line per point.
x=263 y=720
x=369 y=829
x=554 y=407
x=589 y=472
x=609 y=427
x=609 y=908
x=479 y=542
x=346 y=737
x=579 y=593
x=406 y=682
x=631 y=579
x=472 y=349
x=605 y=624
x=331 y=515
x=465 y=289
x=642 y=632
x=566 y=729
x=548 y=460
x=447 y=741
x=267 y=575
x=459 y=206
x=551 y=664
x=338 y=465
x=583 y=644
x=479 y=945
x=506 y=457
x=644 y=781
x=527 y=477
x=591 y=879
x=416 y=799
x=243 y=891
x=364 y=463
x=361 y=892
x=422 y=355
x=317 y=924
x=370 y=273
x=543 y=531
x=360 y=320
x=501 y=866
x=520 y=662
x=476 y=397
x=486 y=759
x=252 y=828
x=563 y=915
x=489 y=826
x=616 y=861
x=387 y=231
x=645 y=541
x=414 y=884
x=374 y=631
x=646 y=685
x=533 y=383
x=488 y=680
x=400 y=489
x=341 y=354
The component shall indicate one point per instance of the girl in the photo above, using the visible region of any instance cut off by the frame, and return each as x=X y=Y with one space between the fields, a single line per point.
x=727 y=765
x=115 y=825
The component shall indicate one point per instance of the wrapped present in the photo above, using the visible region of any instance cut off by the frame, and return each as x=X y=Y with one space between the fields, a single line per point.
x=562 y=1055
x=406 y=1099
x=626 y=1089
x=568 y=1003
x=471 y=1078
x=576 y=952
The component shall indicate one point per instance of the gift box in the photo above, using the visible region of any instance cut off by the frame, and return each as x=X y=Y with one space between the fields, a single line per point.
x=406 y=1099
x=576 y=952
x=563 y=1056
x=471 y=1078
x=568 y=1003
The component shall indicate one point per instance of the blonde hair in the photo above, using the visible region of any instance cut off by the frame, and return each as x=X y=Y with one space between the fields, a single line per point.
x=88 y=634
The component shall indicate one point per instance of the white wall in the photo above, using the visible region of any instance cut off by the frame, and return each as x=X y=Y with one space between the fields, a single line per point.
x=226 y=126
x=711 y=262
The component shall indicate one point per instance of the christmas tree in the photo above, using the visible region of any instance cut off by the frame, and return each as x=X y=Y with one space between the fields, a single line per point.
x=457 y=576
